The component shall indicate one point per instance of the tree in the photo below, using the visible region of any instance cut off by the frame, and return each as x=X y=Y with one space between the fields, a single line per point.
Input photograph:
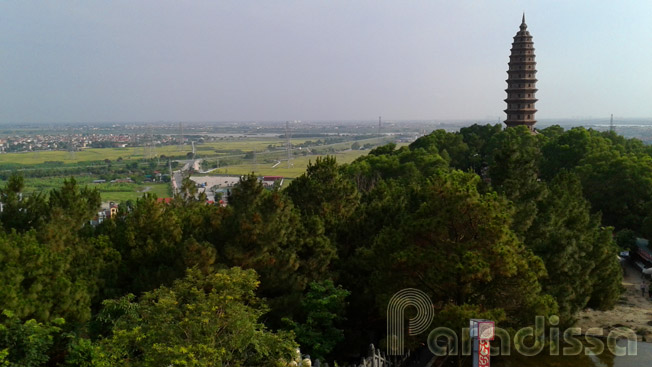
x=477 y=138
x=38 y=283
x=151 y=245
x=448 y=145
x=324 y=192
x=70 y=209
x=456 y=245
x=262 y=230
x=563 y=234
x=513 y=169
x=201 y=320
x=566 y=150
x=26 y=343
x=321 y=310
x=21 y=212
x=626 y=240
x=619 y=188
x=607 y=275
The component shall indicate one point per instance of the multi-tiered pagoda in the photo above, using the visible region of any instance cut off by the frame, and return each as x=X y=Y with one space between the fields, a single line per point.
x=521 y=81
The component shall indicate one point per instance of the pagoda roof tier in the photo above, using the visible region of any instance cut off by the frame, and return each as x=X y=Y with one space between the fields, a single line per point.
x=522 y=49
x=521 y=100
x=523 y=110
x=521 y=90
x=522 y=80
x=522 y=70
x=510 y=123
x=521 y=62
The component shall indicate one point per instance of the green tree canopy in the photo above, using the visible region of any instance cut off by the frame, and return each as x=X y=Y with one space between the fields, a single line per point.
x=201 y=320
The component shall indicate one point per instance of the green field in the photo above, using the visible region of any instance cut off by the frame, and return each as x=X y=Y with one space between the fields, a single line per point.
x=135 y=191
x=234 y=148
x=109 y=192
x=299 y=165
x=136 y=153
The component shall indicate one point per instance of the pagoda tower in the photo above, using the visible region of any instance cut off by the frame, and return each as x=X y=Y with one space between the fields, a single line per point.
x=521 y=81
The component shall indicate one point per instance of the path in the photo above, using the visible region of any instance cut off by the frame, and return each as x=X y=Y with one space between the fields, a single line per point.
x=632 y=311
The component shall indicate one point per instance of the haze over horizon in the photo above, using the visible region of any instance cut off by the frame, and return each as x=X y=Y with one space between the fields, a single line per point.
x=316 y=60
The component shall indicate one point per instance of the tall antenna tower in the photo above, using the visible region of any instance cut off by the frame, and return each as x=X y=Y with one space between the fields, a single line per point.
x=134 y=136
x=149 y=149
x=174 y=187
x=379 y=124
x=612 y=128
x=253 y=163
x=71 y=145
x=181 y=136
x=288 y=146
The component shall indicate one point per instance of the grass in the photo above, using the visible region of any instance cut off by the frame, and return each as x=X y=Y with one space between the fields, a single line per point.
x=135 y=153
x=299 y=165
x=125 y=191
x=109 y=192
x=138 y=153
x=161 y=190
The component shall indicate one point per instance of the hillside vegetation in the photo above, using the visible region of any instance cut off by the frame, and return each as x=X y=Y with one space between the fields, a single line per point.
x=489 y=223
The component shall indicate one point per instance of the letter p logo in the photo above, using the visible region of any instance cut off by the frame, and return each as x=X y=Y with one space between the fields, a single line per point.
x=401 y=300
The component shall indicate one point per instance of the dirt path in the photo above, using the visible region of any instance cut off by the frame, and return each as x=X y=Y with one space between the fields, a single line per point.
x=632 y=311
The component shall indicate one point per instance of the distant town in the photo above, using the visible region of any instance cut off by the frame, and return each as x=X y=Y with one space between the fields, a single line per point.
x=67 y=137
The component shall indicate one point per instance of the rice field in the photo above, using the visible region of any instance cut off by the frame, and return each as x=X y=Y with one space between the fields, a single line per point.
x=270 y=160
x=137 y=153
x=298 y=167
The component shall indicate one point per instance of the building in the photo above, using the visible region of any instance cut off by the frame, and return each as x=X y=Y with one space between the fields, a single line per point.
x=270 y=181
x=104 y=214
x=521 y=81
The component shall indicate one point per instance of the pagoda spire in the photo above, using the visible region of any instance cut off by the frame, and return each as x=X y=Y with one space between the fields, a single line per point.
x=521 y=80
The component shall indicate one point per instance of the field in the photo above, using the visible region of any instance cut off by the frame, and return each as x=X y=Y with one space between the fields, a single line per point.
x=109 y=191
x=299 y=165
x=136 y=153
x=270 y=160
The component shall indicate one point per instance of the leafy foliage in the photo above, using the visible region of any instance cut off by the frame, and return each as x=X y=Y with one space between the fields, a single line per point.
x=26 y=343
x=491 y=223
x=214 y=319
x=321 y=310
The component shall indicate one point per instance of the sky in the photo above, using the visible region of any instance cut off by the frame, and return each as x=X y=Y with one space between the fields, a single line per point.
x=273 y=60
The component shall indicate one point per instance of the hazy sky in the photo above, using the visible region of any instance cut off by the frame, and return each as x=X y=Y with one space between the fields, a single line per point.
x=136 y=60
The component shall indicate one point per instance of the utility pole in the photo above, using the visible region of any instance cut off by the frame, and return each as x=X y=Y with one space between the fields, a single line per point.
x=149 y=149
x=379 y=124
x=172 y=179
x=180 y=136
x=253 y=162
x=288 y=147
x=71 y=147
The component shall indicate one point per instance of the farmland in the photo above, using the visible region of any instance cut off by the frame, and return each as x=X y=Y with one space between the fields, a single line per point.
x=45 y=170
x=116 y=192
x=135 y=153
x=298 y=165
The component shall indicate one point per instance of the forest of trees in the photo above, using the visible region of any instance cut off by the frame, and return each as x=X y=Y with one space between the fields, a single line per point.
x=490 y=223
